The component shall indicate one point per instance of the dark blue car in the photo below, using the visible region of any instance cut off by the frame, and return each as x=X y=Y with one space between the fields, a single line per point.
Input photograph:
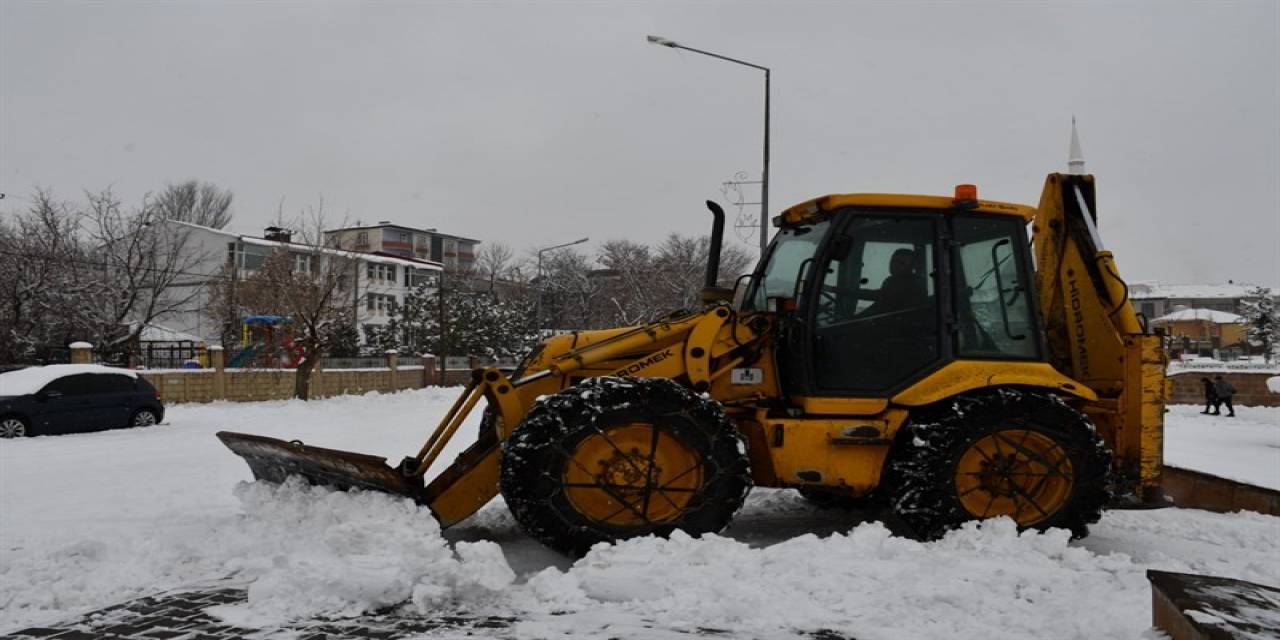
x=69 y=398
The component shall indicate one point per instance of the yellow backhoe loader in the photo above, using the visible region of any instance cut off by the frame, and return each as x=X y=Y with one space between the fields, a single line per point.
x=911 y=351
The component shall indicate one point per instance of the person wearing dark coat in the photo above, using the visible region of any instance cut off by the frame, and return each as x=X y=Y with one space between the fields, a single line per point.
x=1210 y=396
x=1225 y=391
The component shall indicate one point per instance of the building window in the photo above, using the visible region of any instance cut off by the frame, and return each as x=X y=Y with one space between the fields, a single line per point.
x=418 y=277
x=404 y=236
x=380 y=272
x=379 y=304
x=362 y=239
x=302 y=263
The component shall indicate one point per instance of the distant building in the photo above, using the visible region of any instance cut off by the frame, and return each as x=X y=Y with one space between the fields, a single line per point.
x=1153 y=299
x=378 y=282
x=456 y=253
x=1197 y=319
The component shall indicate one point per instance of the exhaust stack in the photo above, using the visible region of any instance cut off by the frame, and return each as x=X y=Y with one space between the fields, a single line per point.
x=713 y=253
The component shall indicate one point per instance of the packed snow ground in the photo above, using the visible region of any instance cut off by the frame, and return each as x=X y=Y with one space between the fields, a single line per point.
x=92 y=519
x=1245 y=448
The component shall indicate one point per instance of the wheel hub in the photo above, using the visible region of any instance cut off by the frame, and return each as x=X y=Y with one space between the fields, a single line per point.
x=632 y=475
x=1019 y=473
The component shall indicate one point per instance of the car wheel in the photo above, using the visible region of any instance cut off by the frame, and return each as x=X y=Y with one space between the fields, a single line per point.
x=14 y=427
x=143 y=418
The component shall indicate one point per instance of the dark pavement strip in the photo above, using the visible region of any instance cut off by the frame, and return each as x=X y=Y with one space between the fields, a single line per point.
x=181 y=616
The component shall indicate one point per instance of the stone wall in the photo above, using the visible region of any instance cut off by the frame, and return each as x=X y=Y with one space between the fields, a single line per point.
x=247 y=385
x=1251 y=388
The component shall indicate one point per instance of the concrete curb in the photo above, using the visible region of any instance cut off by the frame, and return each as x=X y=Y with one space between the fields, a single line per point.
x=1195 y=490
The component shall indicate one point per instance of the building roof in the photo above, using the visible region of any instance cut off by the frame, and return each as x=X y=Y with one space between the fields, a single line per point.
x=407 y=228
x=1216 y=317
x=1154 y=290
x=355 y=255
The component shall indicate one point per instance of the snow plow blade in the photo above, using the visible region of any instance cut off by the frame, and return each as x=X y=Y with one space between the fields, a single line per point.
x=273 y=460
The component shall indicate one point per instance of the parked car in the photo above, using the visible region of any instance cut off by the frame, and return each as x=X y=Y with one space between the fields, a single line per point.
x=68 y=398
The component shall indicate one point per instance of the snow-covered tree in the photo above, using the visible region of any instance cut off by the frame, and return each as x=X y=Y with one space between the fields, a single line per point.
x=1263 y=325
x=98 y=272
x=475 y=323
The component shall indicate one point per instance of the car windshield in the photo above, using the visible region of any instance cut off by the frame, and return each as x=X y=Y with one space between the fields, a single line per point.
x=791 y=251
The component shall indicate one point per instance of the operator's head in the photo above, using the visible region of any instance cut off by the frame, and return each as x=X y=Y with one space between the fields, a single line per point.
x=902 y=263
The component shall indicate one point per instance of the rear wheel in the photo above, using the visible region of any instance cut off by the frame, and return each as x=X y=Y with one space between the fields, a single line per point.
x=14 y=427
x=1013 y=453
x=615 y=458
x=143 y=418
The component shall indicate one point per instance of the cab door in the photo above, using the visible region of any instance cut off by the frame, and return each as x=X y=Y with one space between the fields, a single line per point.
x=874 y=305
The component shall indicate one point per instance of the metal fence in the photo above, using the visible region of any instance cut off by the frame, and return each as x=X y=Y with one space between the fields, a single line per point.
x=180 y=355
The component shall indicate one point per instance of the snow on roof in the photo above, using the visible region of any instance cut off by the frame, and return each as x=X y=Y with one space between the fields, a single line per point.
x=355 y=255
x=1149 y=290
x=1216 y=317
x=33 y=379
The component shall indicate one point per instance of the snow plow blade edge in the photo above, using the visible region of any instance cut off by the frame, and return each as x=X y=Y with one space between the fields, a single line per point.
x=273 y=460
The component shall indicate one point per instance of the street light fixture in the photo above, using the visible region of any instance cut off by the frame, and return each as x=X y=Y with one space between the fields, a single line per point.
x=537 y=313
x=764 y=176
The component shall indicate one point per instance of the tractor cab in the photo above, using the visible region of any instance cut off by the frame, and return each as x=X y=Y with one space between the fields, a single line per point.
x=878 y=291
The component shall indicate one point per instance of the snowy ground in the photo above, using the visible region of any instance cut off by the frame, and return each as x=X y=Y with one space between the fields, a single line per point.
x=92 y=519
x=1244 y=448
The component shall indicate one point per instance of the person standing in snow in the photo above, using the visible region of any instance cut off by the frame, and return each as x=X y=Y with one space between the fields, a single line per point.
x=1225 y=391
x=1210 y=396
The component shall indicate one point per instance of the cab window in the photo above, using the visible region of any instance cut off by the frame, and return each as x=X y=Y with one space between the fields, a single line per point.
x=994 y=313
x=792 y=252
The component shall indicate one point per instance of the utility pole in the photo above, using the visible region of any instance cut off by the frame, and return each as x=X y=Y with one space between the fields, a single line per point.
x=764 y=176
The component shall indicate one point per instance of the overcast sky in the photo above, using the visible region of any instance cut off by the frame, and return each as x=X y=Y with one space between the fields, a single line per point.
x=537 y=123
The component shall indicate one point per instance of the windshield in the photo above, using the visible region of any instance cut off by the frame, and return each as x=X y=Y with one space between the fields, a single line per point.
x=792 y=248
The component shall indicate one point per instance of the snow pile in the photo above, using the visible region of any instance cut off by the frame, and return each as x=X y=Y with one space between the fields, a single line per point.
x=1273 y=384
x=983 y=581
x=33 y=379
x=304 y=552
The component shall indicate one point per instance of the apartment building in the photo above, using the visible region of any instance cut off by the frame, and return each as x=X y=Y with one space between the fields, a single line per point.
x=454 y=252
x=376 y=284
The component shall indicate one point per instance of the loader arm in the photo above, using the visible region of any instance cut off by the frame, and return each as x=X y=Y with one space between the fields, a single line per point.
x=1094 y=335
x=680 y=346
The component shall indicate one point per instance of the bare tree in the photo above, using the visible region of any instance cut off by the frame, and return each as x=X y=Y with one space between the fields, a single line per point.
x=201 y=203
x=42 y=276
x=494 y=262
x=629 y=290
x=302 y=280
x=569 y=290
x=148 y=270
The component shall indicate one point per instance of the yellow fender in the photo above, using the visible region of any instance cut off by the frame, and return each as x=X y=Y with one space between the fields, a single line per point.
x=967 y=375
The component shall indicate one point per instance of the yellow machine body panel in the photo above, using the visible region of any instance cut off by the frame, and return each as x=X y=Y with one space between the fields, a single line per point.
x=966 y=375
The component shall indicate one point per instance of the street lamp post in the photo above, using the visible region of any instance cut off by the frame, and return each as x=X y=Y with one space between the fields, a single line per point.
x=537 y=313
x=764 y=176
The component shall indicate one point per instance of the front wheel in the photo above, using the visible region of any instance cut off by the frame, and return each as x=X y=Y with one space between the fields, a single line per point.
x=14 y=427
x=616 y=458
x=1019 y=454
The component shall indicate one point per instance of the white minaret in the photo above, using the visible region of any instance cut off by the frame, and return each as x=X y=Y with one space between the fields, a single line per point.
x=1075 y=157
